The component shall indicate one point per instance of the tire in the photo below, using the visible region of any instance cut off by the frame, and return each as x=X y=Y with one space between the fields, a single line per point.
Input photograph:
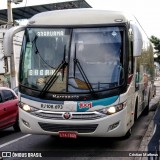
x=16 y=126
x=146 y=110
x=154 y=94
x=135 y=112
x=128 y=134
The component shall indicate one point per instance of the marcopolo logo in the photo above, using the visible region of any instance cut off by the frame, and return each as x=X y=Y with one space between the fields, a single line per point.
x=65 y=96
x=67 y=115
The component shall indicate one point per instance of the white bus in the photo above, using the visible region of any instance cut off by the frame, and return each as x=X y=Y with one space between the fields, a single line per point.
x=83 y=72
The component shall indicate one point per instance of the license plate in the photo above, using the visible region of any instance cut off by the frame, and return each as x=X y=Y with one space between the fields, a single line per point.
x=65 y=134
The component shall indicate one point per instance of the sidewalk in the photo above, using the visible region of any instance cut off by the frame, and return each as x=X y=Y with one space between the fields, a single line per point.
x=151 y=140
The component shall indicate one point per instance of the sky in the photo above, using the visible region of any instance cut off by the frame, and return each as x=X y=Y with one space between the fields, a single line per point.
x=146 y=11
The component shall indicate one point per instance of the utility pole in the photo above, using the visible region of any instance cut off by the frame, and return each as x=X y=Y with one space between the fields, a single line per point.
x=10 y=16
x=9 y=12
x=11 y=59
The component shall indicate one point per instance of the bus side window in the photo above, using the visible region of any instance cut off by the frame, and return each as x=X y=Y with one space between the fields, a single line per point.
x=130 y=62
x=130 y=65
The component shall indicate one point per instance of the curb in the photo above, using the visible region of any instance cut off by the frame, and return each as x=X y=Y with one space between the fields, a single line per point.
x=149 y=133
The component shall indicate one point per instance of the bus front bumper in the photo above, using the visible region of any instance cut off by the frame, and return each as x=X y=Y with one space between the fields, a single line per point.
x=115 y=125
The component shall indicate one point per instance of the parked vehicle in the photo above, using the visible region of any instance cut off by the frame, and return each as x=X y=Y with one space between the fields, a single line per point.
x=8 y=109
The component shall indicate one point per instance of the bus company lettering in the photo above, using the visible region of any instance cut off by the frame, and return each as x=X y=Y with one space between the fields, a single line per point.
x=42 y=72
x=85 y=105
x=50 y=33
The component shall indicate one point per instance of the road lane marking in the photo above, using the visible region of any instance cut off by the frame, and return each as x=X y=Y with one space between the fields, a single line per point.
x=155 y=127
x=15 y=140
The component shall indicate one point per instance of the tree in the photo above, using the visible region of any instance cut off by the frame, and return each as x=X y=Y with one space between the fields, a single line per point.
x=156 y=43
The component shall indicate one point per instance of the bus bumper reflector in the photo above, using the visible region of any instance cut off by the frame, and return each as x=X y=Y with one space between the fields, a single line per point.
x=26 y=123
x=113 y=126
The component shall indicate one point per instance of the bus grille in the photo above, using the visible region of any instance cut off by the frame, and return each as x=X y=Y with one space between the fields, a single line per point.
x=75 y=115
x=60 y=127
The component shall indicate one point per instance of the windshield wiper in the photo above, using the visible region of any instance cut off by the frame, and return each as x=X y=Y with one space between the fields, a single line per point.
x=121 y=71
x=54 y=77
x=77 y=63
x=36 y=51
x=35 y=44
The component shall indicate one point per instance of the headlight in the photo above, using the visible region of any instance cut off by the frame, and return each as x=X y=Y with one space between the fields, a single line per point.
x=27 y=107
x=113 y=109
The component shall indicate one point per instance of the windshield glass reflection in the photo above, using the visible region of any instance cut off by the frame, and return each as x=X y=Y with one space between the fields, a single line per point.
x=98 y=52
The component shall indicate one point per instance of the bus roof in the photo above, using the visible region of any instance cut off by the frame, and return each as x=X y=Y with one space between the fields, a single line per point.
x=85 y=16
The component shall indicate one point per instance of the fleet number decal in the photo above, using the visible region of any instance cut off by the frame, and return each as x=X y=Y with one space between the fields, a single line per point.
x=52 y=106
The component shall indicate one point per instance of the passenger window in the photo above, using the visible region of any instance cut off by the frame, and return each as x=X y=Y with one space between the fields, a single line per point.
x=8 y=95
x=130 y=65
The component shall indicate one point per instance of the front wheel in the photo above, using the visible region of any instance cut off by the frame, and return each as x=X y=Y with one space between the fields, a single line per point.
x=128 y=134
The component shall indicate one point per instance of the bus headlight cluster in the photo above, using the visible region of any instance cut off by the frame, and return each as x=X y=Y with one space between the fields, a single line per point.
x=27 y=107
x=113 y=109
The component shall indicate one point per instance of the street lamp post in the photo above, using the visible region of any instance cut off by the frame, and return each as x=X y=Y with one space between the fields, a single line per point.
x=9 y=11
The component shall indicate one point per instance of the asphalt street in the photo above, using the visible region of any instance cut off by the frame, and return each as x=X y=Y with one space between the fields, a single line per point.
x=145 y=137
x=151 y=139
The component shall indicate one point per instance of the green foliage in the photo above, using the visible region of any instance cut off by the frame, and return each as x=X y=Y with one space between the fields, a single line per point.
x=156 y=43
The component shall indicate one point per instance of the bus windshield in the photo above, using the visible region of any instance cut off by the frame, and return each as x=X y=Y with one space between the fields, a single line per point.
x=72 y=60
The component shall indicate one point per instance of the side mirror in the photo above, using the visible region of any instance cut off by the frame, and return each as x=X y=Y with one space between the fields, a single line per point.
x=137 y=40
x=9 y=47
x=8 y=40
